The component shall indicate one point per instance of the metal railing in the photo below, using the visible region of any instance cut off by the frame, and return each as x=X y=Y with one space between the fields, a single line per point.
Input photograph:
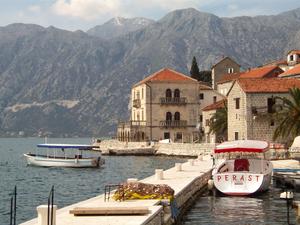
x=173 y=123
x=50 y=215
x=175 y=100
x=13 y=207
x=108 y=189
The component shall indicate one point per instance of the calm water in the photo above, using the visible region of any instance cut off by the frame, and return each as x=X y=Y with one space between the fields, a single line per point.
x=71 y=185
x=266 y=208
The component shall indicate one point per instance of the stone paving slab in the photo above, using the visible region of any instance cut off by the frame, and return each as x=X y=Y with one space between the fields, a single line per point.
x=178 y=180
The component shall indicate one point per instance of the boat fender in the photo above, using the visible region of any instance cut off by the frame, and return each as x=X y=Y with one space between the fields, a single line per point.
x=210 y=184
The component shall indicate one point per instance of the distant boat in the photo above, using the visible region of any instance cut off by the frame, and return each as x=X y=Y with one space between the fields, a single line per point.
x=59 y=156
x=244 y=170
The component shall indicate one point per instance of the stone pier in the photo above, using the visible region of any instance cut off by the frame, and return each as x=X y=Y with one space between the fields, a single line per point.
x=186 y=180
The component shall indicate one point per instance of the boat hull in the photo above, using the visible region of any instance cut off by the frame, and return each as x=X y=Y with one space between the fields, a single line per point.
x=45 y=161
x=233 y=183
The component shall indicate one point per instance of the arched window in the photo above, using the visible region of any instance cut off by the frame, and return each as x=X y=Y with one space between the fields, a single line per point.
x=176 y=93
x=168 y=116
x=177 y=116
x=168 y=93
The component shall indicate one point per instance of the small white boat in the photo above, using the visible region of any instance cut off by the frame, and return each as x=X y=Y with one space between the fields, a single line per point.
x=244 y=170
x=61 y=158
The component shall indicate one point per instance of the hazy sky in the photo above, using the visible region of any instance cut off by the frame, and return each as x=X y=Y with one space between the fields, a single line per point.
x=84 y=14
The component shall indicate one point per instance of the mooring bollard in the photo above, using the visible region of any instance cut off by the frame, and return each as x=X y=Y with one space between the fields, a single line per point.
x=132 y=180
x=42 y=211
x=191 y=162
x=159 y=174
x=178 y=167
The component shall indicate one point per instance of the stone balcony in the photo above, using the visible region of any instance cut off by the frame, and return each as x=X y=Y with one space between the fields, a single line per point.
x=173 y=123
x=174 y=101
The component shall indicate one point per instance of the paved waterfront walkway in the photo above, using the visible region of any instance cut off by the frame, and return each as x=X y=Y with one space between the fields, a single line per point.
x=178 y=180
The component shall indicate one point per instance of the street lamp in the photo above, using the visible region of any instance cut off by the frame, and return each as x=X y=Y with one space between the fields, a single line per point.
x=288 y=196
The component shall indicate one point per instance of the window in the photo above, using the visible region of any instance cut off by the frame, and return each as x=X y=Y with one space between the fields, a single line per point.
x=142 y=93
x=177 y=116
x=168 y=116
x=271 y=103
x=201 y=118
x=291 y=57
x=230 y=70
x=215 y=99
x=168 y=93
x=138 y=94
x=237 y=103
x=142 y=114
x=176 y=93
x=236 y=135
x=179 y=136
x=272 y=123
x=201 y=96
x=166 y=135
x=207 y=122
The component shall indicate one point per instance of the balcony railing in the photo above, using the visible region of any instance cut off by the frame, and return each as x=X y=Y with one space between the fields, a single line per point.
x=136 y=103
x=264 y=110
x=180 y=101
x=173 y=123
x=132 y=123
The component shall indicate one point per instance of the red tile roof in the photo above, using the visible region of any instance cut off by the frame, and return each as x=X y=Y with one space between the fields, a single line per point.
x=217 y=105
x=166 y=74
x=262 y=72
x=291 y=72
x=259 y=72
x=294 y=51
x=268 y=85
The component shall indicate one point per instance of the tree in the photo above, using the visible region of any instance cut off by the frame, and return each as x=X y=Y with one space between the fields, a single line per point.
x=288 y=117
x=204 y=76
x=218 y=123
x=195 y=73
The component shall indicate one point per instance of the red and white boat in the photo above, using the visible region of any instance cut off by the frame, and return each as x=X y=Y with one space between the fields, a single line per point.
x=244 y=169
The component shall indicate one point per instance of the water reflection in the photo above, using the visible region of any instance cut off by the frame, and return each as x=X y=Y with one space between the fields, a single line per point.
x=266 y=208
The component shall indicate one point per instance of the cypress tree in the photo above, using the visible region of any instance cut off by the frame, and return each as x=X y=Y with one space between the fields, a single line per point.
x=195 y=73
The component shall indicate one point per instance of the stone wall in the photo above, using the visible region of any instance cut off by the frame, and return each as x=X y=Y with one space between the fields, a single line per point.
x=180 y=149
x=237 y=118
x=185 y=149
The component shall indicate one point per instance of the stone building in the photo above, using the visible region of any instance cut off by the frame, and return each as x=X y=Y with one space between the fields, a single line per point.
x=166 y=105
x=268 y=71
x=224 y=66
x=292 y=59
x=250 y=105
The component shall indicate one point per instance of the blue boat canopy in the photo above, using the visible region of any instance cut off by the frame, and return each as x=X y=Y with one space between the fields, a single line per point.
x=64 y=146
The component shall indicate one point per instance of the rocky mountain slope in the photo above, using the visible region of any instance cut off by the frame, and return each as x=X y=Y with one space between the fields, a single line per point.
x=119 y=26
x=73 y=83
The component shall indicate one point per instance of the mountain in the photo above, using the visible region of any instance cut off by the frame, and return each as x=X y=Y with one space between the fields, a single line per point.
x=75 y=84
x=119 y=26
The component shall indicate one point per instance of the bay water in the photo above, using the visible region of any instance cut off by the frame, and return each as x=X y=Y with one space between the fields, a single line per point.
x=73 y=185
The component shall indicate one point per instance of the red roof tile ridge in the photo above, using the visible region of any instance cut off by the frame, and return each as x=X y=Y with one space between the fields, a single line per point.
x=294 y=71
x=152 y=76
x=217 y=105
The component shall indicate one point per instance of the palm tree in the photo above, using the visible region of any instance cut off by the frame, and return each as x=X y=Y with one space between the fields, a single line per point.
x=288 y=117
x=218 y=123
